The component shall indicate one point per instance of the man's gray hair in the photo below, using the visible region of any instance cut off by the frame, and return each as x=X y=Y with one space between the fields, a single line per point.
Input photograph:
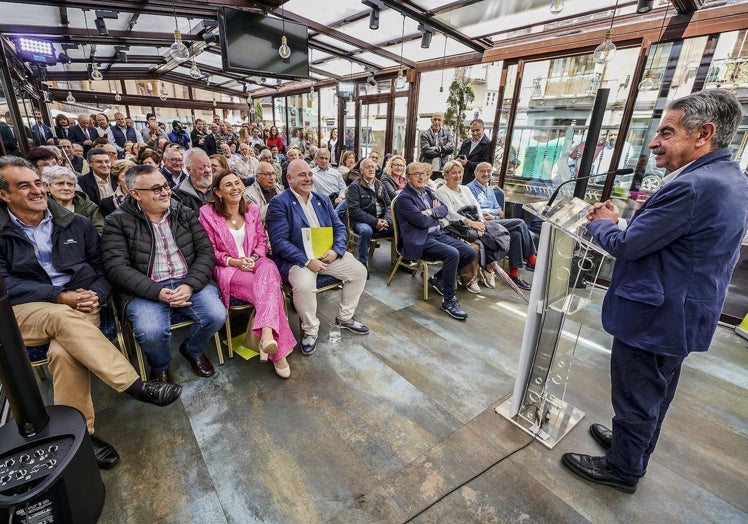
x=320 y=151
x=135 y=172
x=52 y=173
x=718 y=106
x=192 y=152
x=11 y=161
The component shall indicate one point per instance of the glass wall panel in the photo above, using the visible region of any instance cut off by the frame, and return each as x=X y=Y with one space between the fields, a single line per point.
x=281 y=118
x=372 y=129
x=399 y=127
x=328 y=101
x=506 y=107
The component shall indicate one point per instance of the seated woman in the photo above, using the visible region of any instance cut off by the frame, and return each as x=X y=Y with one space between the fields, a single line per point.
x=218 y=163
x=243 y=269
x=393 y=178
x=117 y=173
x=347 y=161
x=148 y=156
x=60 y=183
x=492 y=239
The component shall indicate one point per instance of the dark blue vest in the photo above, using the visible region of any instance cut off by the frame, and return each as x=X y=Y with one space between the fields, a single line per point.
x=120 y=138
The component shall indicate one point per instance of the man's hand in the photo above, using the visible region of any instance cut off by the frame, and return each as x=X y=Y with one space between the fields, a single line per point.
x=83 y=300
x=488 y=216
x=603 y=211
x=382 y=225
x=179 y=297
x=329 y=256
x=316 y=265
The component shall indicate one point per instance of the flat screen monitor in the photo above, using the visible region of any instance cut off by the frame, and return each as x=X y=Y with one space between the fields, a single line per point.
x=250 y=42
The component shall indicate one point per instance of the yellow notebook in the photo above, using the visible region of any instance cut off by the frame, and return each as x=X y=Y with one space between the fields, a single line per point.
x=317 y=240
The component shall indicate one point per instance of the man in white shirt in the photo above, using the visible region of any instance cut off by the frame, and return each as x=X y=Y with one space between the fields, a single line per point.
x=328 y=180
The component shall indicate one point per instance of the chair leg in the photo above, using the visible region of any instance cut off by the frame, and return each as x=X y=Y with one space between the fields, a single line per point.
x=217 y=340
x=229 y=342
x=425 y=273
x=141 y=362
x=394 y=270
x=40 y=372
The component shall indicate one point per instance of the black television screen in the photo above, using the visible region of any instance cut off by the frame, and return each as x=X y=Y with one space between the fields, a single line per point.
x=250 y=42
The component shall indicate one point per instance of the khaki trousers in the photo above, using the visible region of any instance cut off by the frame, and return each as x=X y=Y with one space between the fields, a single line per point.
x=304 y=282
x=76 y=347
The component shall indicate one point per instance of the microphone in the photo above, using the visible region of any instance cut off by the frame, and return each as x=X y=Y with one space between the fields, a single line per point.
x=617 y=172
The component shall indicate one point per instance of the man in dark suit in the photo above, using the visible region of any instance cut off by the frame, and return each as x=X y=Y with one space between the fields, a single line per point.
x=287 y=214
x=418 y=212
x=97 y=183
x=674 y=262
x=9 y=138
x=41 y=132
x=210 y=143
x=82 y=134
x=474 y=150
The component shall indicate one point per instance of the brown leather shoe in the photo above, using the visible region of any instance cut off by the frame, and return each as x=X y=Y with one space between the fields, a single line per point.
x=200 y=365
x=161 y=376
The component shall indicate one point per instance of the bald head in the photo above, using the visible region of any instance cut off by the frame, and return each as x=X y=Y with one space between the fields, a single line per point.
x=299 y=177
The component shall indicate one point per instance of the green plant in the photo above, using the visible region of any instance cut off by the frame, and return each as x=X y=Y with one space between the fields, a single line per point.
x=258 y=110
x=459 y=101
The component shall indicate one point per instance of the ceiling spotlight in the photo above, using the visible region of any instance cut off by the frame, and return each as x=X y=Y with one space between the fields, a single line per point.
x=95 y=73
x=426 y=34
x=371 y=81
x=644 y=6
x=376 y=6
x=101 y=26
x=63 y=58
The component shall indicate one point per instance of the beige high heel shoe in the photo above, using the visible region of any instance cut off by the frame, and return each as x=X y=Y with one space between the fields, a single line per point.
x=282 y=372
x=267 y=348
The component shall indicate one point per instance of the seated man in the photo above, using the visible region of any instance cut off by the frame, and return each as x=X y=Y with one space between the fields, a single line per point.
x=369 y=208
x=296 y=208
x=51 y=264
x=159 y=258
x=265 y=188
x=521 y=246
x=195 y=189
x=98 y=184
x=418 y=213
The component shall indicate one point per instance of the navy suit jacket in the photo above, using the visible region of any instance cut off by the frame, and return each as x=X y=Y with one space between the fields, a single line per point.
x=89 y=186
x=675 y=259
x=40 y=140
x=76 y=135
x=284 y=220
x=413 y=225
x=481 y=153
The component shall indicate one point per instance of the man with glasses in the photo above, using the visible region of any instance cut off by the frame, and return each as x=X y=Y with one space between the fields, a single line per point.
x=287 y=214
x=265 y=188
x=194 y=190
x=121 y=132
x=173 y=169
x=418 y=213
x=97 y=184
x=159 y=259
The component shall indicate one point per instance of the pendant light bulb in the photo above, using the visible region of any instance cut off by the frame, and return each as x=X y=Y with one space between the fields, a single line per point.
x=605 y=52
x=556 y=6
x=117 y=97
x=95 y=73
x=312 y=94
x=195 y=71
x=178 y=51
x=647 y=83
x=70 y=98
x=400 y=80
x=162 y=93
x=284 y=51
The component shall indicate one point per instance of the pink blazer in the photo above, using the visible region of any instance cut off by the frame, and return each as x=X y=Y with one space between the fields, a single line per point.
x=255 y=241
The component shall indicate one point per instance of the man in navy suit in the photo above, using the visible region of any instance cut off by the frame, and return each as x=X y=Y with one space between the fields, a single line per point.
x=418 y=213
x=296 y=208
x=675 y=259
x=82 y=134
x=41 y=131
x=474 y=150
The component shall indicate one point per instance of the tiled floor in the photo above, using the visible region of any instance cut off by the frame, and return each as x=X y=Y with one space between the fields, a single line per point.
x=379 y=427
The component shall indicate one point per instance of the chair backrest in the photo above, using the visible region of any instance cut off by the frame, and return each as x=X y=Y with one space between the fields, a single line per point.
x=499 y=196
x=395 y=228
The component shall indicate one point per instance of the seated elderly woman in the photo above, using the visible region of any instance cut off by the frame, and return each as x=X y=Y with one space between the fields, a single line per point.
x=60 y=183
x=242 y=268
x=393 y=178
x=117 y=173
x=465 y=221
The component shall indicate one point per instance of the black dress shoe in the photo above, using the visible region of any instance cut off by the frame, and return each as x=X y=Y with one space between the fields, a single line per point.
x=595 y=469
x=159 y=393
x=161 y=376
x=520 y=282
x=602 y=435
x=106 y=455
x=200 y=365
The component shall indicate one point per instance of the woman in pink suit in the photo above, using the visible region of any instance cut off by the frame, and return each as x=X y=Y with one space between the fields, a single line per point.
x=242 y=269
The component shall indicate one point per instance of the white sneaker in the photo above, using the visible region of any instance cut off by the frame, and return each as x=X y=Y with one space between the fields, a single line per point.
x=489 y=279
x=472 y=286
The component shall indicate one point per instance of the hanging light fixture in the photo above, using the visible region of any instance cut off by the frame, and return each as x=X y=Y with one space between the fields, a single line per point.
x=195 y=71
x=648 y=82
x=70 y=98
x=117 y=97
x=312 y=93
x=284 y=51
x=178 y=51
x=444 y=62
x=94 y=73
x=400 y=80
x=556 y=6
x=163 y=94
x=605 y=52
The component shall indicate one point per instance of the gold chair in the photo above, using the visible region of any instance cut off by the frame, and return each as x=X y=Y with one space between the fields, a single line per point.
x=234 y=305
x=416 y=266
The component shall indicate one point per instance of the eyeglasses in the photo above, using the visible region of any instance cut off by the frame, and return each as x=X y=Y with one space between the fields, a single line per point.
x=265 y=173
x=419 y=174
x=156 y=189
x=176 y=160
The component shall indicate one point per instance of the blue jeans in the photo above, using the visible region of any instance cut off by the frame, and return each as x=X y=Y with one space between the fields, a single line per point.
x=151 y=324
x=366 y=233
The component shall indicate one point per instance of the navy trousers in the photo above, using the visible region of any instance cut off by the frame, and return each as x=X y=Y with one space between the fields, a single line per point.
x=453 y=254
x=642 y=386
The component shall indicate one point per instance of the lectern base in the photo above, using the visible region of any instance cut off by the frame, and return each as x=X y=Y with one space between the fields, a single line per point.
x=560 y=418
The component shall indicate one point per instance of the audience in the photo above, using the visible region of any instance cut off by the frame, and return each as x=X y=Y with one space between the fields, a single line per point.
x=60 y=183
x=242 y=268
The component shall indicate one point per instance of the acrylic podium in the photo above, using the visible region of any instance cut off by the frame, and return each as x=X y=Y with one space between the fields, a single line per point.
x=559 y=302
